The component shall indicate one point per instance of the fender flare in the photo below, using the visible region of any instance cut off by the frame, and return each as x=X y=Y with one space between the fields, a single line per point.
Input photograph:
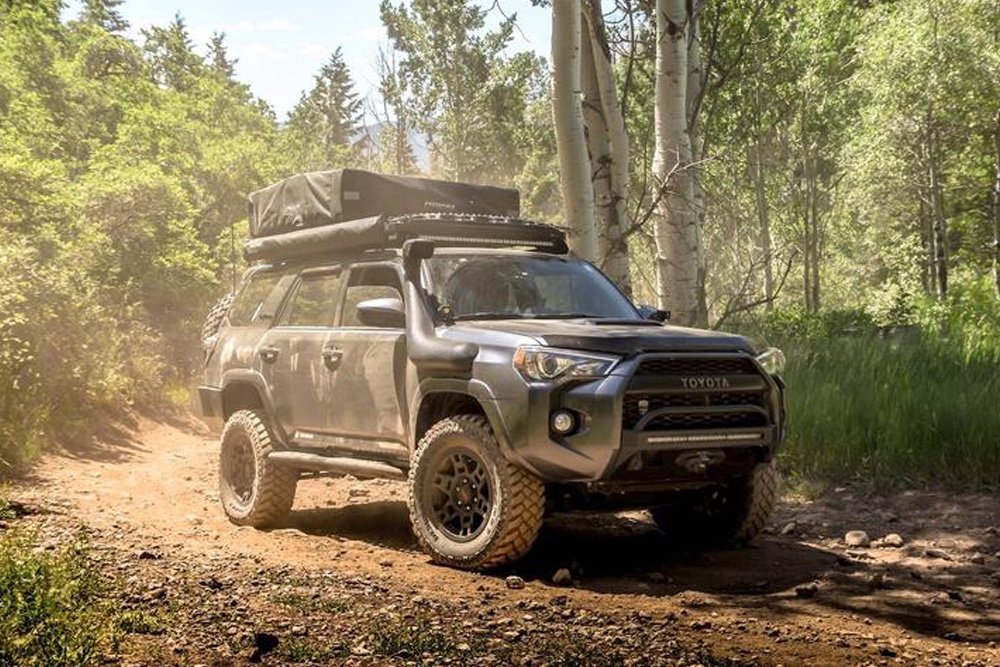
x=257 y=381
x=473 y=388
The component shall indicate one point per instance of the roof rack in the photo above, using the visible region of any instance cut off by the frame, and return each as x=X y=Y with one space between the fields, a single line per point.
x=378 y=233
x=466 y=229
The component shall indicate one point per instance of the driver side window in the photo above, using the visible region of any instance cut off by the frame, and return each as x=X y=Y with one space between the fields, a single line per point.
x=374 y=281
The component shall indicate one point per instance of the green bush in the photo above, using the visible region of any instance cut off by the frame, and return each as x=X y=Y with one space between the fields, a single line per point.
x=54 y=611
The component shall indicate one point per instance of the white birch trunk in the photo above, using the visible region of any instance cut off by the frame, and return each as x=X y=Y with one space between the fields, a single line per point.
x=567 y=112
x=614 y=247
x=676 y=229
x=695 y=84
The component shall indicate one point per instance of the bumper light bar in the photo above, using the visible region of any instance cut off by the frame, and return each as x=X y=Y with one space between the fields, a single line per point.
x=722 y=437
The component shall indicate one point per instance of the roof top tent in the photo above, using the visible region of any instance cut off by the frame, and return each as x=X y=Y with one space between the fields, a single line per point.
x=350 y=209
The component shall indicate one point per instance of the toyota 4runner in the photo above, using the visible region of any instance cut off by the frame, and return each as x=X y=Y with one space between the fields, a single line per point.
x=467 y=353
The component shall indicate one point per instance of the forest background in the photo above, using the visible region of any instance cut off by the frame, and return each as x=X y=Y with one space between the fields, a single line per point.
x=840 y=191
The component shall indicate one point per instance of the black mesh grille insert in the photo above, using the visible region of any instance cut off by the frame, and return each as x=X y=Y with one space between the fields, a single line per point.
x=637 y=405
x=736 y=403
x=697 y=366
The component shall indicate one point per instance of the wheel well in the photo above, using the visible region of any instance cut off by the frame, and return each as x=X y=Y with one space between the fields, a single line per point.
x=441 y=405
x=240 y=396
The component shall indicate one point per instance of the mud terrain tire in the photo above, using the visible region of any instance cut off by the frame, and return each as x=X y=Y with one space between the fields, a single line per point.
x=253 y=491
x=215 y=317
x=470 y=507
x=726 y=517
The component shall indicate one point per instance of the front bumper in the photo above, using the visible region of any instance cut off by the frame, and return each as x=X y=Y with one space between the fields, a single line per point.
x=646 y=428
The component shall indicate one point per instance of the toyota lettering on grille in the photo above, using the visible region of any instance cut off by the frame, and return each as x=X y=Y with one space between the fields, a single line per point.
x=705 y=382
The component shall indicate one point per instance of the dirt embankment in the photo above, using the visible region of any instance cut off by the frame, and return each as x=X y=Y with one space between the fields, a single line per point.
x=344 y=582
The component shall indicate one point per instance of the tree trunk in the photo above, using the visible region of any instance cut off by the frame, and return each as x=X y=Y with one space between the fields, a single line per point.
x=676 y=233
x=995 y=204
x=567 y=112
x=695 y=85
x=939 y=225
x=614 y=248
x=764 y=224
x=926 y=245
x=598 y=146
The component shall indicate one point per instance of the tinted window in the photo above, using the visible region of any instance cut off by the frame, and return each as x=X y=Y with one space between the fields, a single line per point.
x=249 y=302
x=521 y=286
x=369 y=282
x=314 y=302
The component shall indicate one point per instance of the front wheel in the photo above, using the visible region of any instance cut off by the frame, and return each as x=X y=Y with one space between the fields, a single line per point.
x=254 y=491
x=722 y=517
x=471 y=508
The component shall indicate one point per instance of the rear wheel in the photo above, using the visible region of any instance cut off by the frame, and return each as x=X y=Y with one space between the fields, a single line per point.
x=254 y=491
x=722 y=517
x=471 y=508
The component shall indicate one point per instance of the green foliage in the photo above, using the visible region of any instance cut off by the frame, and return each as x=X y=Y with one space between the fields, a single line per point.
x=393 y=636
x=120 y=169
x=324 y=124
x=139 y=622
x=460 y=88
x=55 y=610
x=912 y=405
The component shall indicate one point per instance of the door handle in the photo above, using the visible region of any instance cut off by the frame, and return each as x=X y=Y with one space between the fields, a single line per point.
x=268 y=354
x=332 y=356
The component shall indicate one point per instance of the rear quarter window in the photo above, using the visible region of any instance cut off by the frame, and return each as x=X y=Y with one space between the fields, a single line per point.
x=249 y=304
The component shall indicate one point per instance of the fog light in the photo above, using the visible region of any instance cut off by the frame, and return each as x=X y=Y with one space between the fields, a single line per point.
x=562 y=422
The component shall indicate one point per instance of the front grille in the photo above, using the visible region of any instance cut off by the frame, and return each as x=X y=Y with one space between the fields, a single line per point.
x=637 y=405
x=697 y=366
x=740 y=401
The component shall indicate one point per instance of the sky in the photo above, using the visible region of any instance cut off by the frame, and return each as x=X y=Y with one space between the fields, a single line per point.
x=281 y=45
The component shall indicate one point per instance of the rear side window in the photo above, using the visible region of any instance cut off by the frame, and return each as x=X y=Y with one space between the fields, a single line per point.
x=314 y=302
x=249 y=303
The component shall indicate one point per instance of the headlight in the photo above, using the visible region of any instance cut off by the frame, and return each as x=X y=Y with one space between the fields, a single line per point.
x=772 y=360
x=544 y=364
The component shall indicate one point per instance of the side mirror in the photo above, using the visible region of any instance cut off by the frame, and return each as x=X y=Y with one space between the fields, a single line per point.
x=655 y=314
x=384 y=313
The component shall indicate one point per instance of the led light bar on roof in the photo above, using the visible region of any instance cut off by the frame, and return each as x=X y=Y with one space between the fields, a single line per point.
x=482 y=240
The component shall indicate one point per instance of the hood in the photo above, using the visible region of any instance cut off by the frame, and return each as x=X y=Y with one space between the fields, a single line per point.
x=617 y=337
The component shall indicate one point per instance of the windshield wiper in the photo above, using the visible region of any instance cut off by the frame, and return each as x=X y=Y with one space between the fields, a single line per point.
x=488 y=316
x=568 y=316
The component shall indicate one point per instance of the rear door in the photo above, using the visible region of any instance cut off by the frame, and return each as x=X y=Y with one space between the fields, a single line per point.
x=294 y=353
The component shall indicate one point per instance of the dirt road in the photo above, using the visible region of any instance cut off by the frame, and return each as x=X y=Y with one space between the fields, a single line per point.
x=344 y=583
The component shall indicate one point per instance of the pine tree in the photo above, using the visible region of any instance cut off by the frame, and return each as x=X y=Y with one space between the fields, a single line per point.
x=218 y=56
x=105 y=14
x=175 y=64
x=329 y=115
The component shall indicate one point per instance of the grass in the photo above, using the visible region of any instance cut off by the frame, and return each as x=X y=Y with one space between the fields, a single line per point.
x=408 y=637
x=139 y=622
x=304 y=651
x=311 y=604
x=922 y=412
x=55 y=610
x=7 y=512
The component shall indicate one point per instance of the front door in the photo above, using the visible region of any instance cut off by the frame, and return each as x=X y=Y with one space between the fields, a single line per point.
x=366 y=401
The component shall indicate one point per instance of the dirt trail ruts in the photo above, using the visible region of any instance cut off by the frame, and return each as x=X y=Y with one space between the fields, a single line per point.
x=799 y=595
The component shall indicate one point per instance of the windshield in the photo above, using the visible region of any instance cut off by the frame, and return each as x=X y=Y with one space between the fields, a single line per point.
x=521 y=286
